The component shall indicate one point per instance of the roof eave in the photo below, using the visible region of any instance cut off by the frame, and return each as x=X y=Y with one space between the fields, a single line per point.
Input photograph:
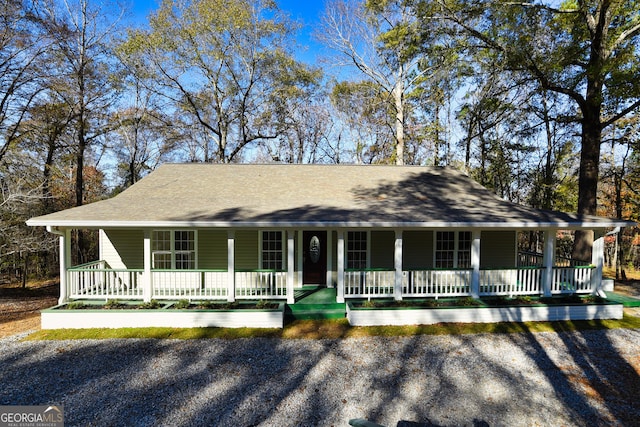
x=92 y=224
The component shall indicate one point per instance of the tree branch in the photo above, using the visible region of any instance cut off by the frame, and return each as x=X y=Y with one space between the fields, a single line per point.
x=631 y=32
x=621 y=114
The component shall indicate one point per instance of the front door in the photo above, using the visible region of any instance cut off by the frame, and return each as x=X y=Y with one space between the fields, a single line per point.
x=314 y=247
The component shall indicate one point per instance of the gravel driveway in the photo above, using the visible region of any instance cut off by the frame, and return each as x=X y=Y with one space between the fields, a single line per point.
x=525 y=379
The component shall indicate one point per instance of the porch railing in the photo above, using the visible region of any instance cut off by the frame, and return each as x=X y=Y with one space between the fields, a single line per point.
x=535 y=259
x=457 y=282
x=570 y=280
x=189 y=284
x=436 y=283
x=511 y=281
x=369 y=283
x=261 y=284
x=98 y=280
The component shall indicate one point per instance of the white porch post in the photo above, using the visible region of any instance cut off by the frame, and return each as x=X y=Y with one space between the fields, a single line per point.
x=548 y=260
x=597 y=259
x=475 y=263
x=231 y=266
x=65 y=262
x=340 y=290
x=300 y=259
x=397 y=262
x=147 y=281
x=329 y=259
x=290 y=265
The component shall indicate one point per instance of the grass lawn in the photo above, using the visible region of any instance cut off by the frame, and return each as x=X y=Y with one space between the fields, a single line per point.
x=332 y=329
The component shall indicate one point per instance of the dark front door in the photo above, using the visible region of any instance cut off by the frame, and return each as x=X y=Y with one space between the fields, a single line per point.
x=314 y=247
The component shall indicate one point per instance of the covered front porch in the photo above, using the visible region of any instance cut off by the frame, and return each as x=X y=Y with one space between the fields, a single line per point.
x=540 y=275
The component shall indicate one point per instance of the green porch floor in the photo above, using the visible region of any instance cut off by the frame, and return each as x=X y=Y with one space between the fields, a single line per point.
x=313 y=302
x=625 y=300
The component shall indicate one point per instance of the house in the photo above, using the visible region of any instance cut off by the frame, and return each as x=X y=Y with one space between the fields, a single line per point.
x=233 y=232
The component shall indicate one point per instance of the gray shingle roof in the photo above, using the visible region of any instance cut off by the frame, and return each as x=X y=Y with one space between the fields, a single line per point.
x=215 y=195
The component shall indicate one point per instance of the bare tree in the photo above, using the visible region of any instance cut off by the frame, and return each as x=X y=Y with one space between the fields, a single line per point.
x=21 y=45
x=82 y=71
x=21 y=198
x=375 y=40
x=141 y=138
x=218 y=63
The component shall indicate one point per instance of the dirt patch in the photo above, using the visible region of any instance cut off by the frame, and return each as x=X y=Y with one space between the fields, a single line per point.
x=628 y=287
x=20 y=308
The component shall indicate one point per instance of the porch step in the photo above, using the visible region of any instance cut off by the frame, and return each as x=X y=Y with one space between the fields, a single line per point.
x=305 y=291
x=316 y=303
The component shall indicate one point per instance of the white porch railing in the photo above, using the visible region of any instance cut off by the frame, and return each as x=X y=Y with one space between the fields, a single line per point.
x=97 y=280
x=570 y=280
x=436 y=283
x=261 y=284
x=457 y=282
x=511 y=281
x=369 y=283
x=189 y=284
x=535 y=259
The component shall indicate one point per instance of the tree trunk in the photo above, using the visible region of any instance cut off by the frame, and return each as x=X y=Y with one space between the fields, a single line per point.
x=436 y=154
x=547 y=197
x=46 y=180
x=589 y=169
x=25 y=270
x=398 y=99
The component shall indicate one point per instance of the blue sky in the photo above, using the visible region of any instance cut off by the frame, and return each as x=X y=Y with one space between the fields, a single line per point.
x=307 y=12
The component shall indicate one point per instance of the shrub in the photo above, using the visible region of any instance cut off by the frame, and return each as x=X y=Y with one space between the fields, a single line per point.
x=113 y=303
x=76 y=305
x=370 y=304
x=182 y=304
x=266 y=305
x=466 y=302
x=151 y=305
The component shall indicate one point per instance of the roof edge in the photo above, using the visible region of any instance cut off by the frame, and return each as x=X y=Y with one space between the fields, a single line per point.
x=587 y=224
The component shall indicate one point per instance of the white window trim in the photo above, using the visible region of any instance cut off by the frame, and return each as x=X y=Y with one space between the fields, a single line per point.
x=346 y=247
x=283 y=238
x=456 y=245
x=173 y=251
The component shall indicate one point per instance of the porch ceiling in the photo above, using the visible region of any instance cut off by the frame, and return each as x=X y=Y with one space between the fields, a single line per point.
x=209 y=195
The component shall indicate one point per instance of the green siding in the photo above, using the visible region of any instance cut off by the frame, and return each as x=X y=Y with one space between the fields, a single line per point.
x=246 y=254
x=417 y=251
x=212 y=249
x=382 y=249
x=498 y=249
x=124 y=248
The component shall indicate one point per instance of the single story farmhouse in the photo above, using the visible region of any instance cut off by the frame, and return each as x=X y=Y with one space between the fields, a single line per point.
x=260 y=232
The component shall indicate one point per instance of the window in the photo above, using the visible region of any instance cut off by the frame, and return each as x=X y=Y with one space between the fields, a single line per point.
x=272 y=250
x=173 y=250
x=453 y=249
x=357 y=250
x=464 y=249
x=445 y=249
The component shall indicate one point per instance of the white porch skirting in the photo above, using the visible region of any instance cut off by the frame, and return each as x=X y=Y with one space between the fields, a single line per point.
x=429 y=316
x=56 y=318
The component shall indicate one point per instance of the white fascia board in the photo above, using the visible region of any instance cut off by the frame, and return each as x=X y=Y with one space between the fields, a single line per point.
x=329 y=224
